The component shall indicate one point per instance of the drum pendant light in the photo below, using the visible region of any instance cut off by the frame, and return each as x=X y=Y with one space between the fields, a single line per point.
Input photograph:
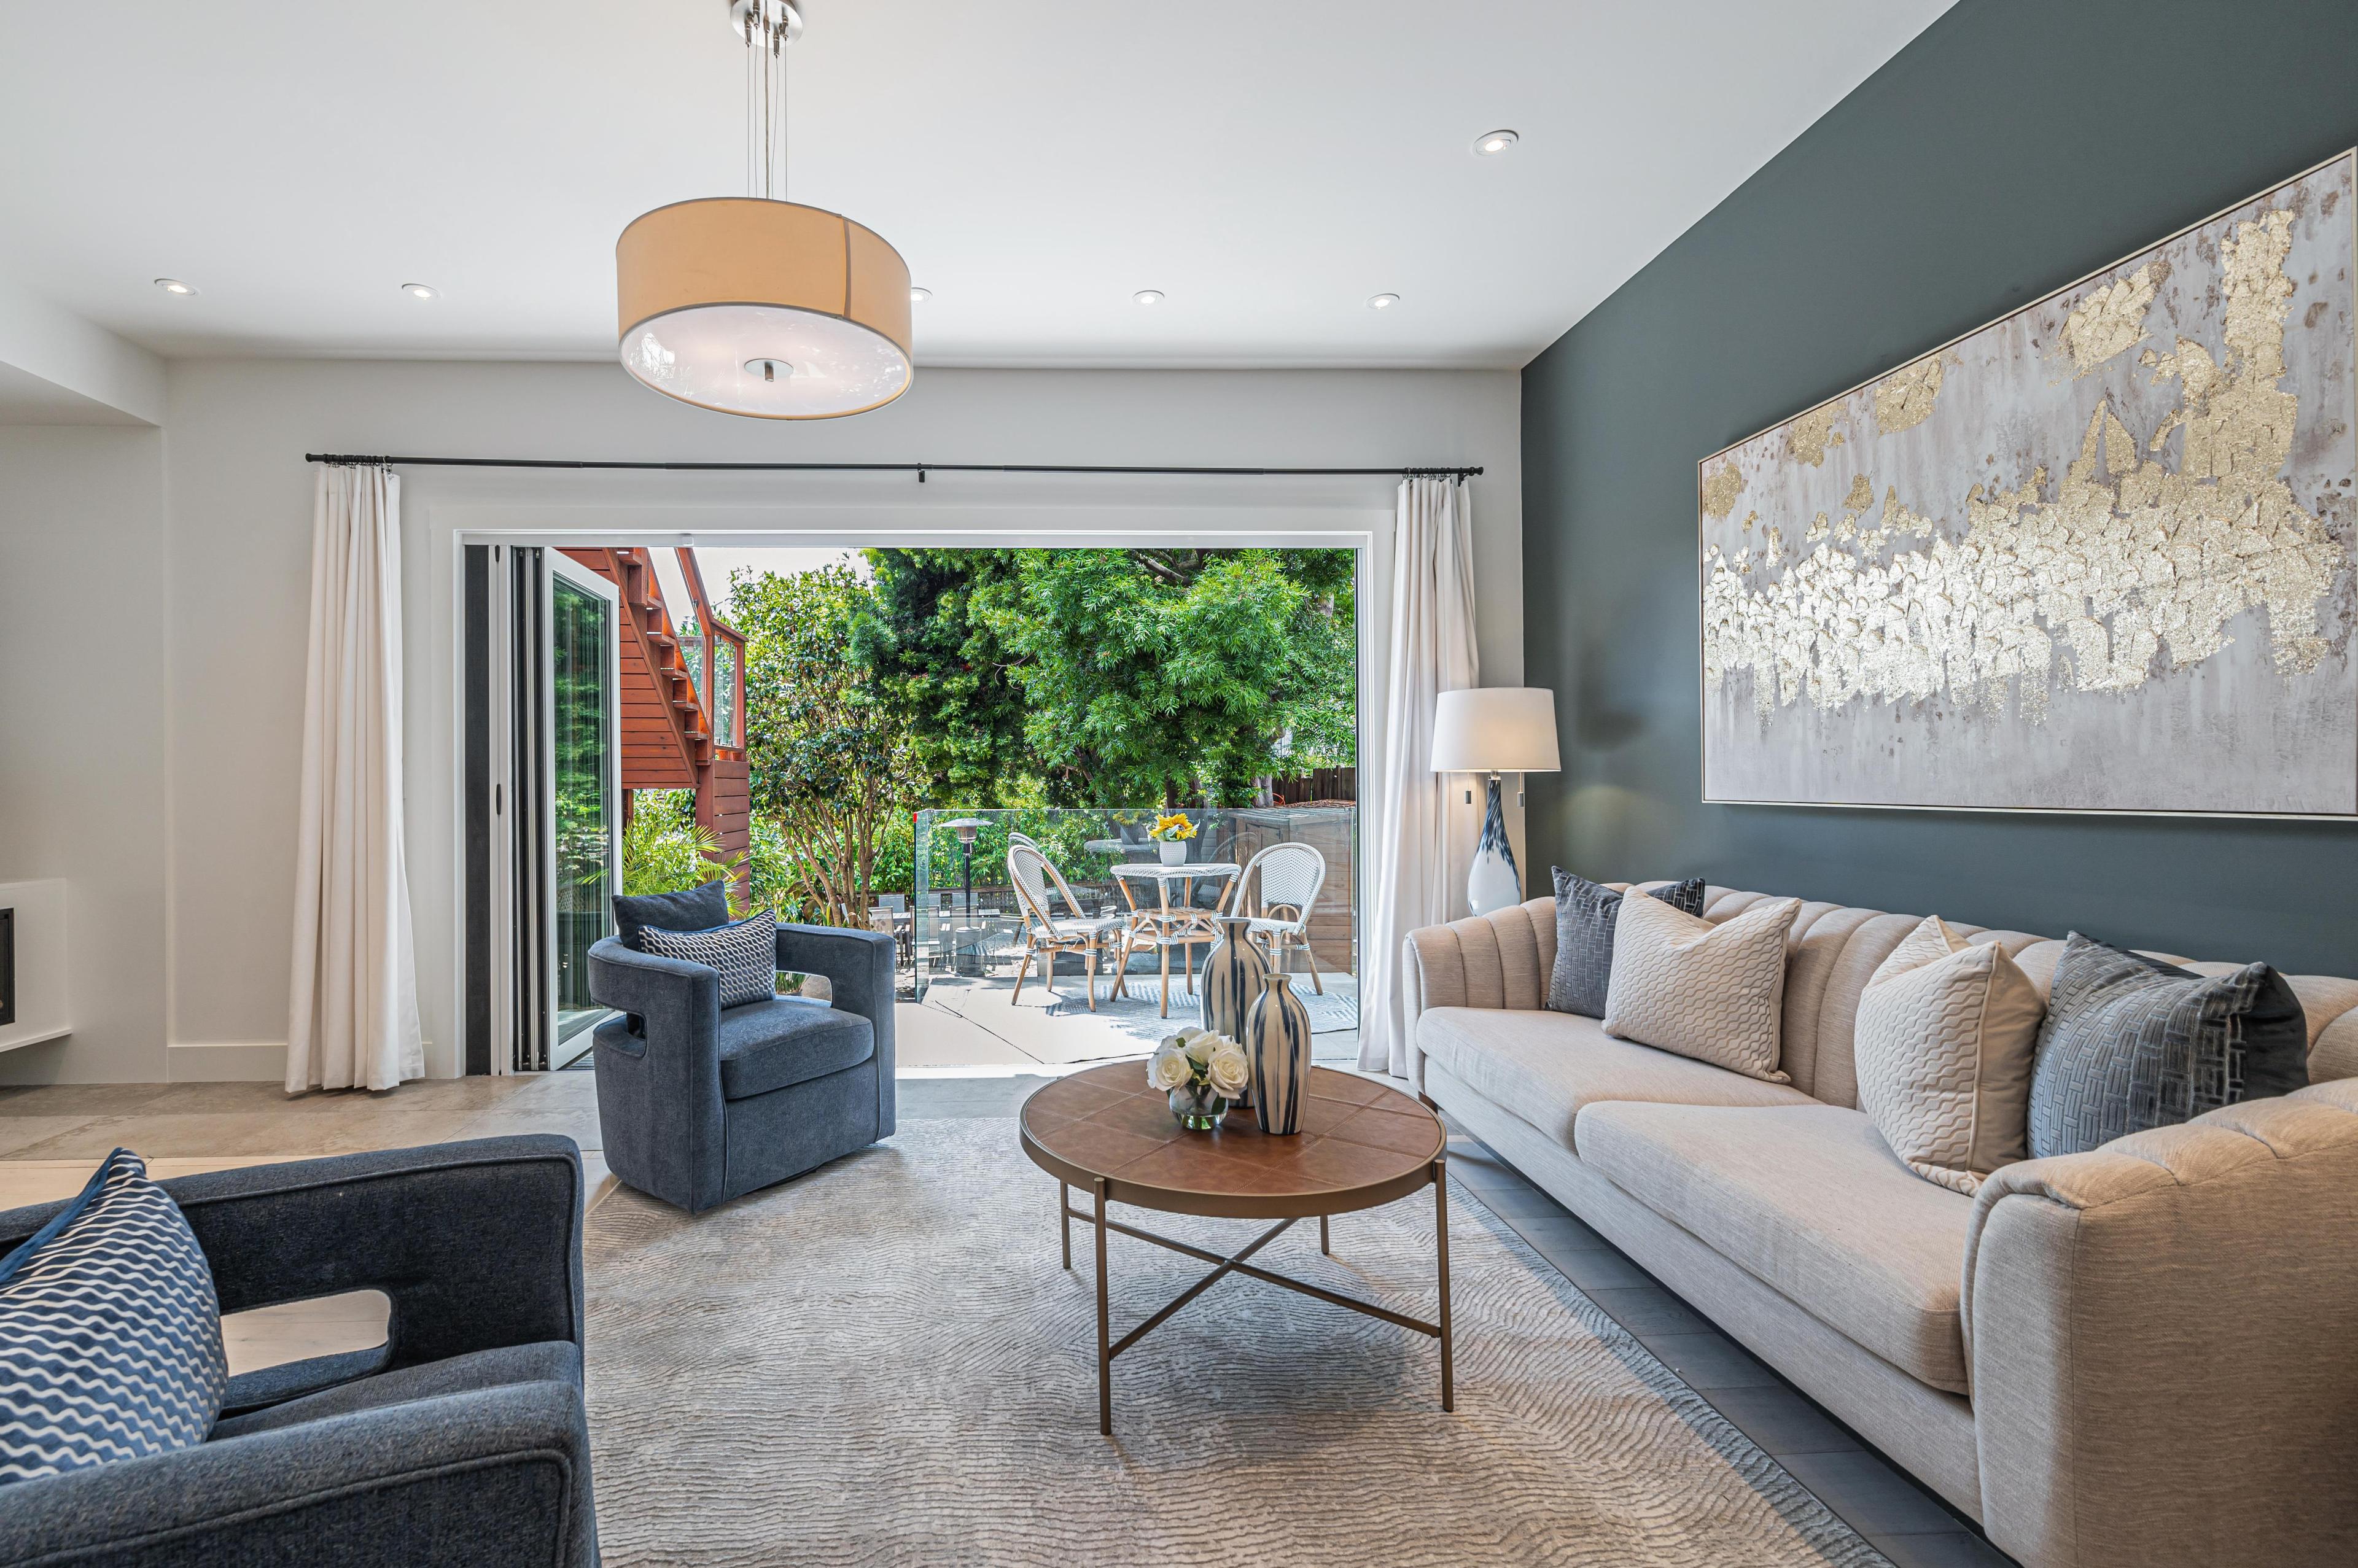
x=756 y=305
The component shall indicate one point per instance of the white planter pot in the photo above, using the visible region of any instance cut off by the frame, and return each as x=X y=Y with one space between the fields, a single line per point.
x=1174 y=851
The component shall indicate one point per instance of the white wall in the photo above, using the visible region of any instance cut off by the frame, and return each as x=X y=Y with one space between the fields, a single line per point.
x=84 y=616
x=225 y=701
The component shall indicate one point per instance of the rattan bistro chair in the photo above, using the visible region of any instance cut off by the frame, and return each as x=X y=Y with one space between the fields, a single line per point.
x=1281 y=902
x=1046 y=933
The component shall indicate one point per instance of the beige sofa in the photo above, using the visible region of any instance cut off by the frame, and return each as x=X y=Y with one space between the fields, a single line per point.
x=2145 y=1355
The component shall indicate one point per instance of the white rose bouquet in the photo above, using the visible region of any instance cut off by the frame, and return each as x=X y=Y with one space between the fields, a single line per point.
x=1201 y=1072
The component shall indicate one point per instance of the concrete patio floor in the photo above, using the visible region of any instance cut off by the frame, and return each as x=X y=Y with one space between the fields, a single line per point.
x=982 y=1024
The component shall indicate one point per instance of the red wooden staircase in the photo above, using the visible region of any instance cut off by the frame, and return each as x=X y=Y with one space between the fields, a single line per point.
x=672 y=737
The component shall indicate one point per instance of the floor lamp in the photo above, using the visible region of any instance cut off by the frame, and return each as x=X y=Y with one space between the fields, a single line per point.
x=1494 y=731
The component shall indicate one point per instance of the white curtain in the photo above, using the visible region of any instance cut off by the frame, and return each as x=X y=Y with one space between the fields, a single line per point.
x=1417 y=858
x=352 y=1016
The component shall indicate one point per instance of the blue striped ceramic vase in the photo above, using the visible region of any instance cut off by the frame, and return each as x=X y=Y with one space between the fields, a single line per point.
x=1277 y=1039
x=1230 y=983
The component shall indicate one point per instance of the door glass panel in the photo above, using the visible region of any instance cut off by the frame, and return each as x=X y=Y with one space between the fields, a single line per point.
x=691 y=654
x=582 y=732
x=724 y=709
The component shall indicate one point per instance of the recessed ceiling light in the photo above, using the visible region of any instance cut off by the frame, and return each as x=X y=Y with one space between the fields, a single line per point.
x=919 y=295
x=1495 y=141
x=1382 y=301
x=421 y=291
x=1148 y=297
x=173 y=286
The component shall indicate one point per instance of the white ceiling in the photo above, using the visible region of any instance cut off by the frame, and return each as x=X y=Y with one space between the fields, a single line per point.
x=1269 y=165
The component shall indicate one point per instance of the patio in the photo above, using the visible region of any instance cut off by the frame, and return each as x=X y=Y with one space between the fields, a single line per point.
x=962 y=941
x=978 y=1024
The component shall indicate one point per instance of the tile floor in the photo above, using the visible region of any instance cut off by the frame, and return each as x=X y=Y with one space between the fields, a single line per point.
x=50 y=1137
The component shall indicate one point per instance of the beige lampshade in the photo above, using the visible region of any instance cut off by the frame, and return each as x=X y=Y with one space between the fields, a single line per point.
x=768 y=308
x=1495 y=730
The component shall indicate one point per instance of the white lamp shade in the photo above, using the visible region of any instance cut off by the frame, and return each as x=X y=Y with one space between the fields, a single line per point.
x=1495 y=730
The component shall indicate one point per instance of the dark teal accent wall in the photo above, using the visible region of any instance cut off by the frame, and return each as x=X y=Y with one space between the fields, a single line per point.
x=2013 y=146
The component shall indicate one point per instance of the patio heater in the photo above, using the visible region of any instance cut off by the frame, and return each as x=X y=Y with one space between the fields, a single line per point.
x=965 y=943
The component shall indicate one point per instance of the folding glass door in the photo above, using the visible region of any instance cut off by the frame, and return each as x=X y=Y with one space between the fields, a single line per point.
x=544 y=802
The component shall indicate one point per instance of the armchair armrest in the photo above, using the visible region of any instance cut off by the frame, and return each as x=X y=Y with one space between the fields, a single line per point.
x=477 y=1245
x=492 y=1478
x=2158 y=1337
x=646 y=985
x=858 y=969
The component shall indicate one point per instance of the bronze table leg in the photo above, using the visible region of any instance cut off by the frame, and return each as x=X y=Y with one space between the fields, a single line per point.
x=1105 y=1325
x=1441 y=1253
x=1064 y=1220
x=1323 y=1237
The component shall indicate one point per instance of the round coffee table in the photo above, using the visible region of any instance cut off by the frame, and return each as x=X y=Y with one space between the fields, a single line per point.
x=1362 y=1143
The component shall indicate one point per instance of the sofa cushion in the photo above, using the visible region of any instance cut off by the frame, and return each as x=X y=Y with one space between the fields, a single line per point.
x=1714 y=992
x=701 y=908
x=2130 y=1043
x=768 y=1045
x=110 y=1331
x=1809 y=1201
x=1943 y=1041
x=744 y=955
x=1585 y=916
x=555 y=1361
x=1544 y=1066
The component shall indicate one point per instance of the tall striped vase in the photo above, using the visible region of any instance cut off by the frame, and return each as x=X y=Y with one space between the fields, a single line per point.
x=1230 y=984
x=1277 y=1039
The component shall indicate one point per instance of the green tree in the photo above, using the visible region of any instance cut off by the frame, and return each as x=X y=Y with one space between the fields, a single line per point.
x=831 y=763
x=1154 y=673
x=942 y=670
x=1114 y=676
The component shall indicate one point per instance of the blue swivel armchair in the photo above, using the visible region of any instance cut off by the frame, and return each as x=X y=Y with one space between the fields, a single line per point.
x=462 y=1441
x=699 y=1104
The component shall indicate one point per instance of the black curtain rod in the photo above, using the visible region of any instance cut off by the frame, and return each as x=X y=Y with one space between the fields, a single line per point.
x=920 y=469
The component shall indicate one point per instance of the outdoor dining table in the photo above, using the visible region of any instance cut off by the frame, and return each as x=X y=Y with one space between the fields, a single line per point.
x=1165 y=925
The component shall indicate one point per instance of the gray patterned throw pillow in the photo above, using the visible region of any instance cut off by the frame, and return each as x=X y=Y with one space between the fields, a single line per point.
x=745 y=955
x=2127 y=1047
x=1584 y=917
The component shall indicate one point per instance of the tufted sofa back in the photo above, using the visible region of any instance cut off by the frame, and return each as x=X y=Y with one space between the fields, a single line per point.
x=1831 y=954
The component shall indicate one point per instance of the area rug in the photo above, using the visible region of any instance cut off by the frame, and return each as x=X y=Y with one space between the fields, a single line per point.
x=885 y=1363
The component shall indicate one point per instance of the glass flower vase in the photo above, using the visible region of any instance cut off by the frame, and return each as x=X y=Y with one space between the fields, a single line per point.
x=1197 y=1106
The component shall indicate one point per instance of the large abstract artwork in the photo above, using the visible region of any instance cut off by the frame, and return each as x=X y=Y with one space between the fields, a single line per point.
x=2093 y=556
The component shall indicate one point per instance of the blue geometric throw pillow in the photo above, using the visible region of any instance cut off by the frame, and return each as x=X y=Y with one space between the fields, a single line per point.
x=110 y=1332
x=746 y=955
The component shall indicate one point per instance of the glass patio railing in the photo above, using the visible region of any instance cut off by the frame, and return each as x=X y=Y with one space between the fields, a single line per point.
x=963 y=919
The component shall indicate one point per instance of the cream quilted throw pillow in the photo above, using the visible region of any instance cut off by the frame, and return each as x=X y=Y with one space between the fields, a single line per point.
x=1712 y=992
x=1945 y=1034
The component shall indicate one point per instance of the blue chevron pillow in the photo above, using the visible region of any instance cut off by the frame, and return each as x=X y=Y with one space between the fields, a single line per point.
x=745 y=953
x=110 y=1332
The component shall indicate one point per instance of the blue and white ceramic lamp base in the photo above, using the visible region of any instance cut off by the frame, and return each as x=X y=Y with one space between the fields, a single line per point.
x=1494 y=884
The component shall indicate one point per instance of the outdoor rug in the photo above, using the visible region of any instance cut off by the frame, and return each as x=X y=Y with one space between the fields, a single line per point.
x=884 y=1362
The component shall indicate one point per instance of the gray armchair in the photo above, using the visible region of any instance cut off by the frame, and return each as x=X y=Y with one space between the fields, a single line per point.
x=463 y=1440
x=702 y=1104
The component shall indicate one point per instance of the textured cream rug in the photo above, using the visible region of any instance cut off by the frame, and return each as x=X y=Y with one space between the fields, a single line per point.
x=884 y=1363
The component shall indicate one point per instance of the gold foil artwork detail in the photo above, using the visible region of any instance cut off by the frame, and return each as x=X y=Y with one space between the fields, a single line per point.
x=2111 y=321
x=1904 y=399
x=1810 y=435
x=1720 y=491
x=2130 y=567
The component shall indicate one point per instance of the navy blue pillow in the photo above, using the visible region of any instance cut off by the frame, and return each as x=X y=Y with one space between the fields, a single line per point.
x=2131 y=1043
x=701 y=908
x=110 y=1332
x=1585 y=915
